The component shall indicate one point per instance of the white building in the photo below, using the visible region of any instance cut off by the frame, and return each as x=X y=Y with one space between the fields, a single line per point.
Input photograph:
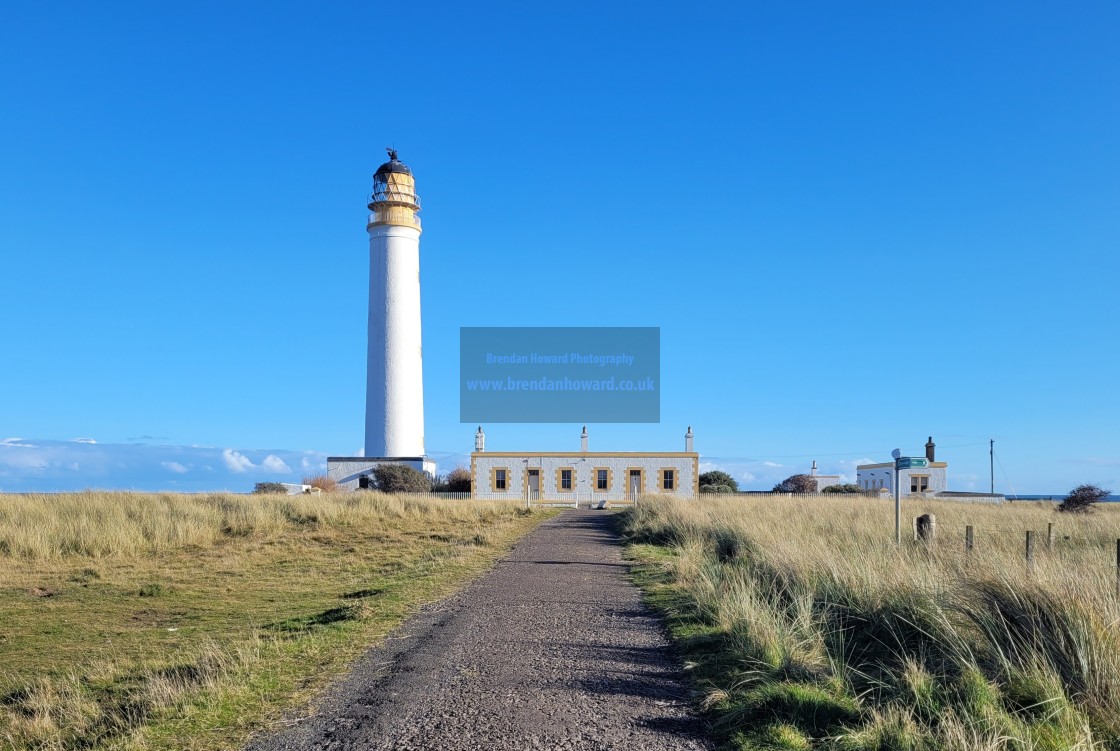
x=583 y=476
x=394 y=430
x=918 y=481
x=823 y=481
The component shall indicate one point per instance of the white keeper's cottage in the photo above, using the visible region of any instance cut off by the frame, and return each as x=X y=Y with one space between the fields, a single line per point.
x=583 y=476
x=918 y=481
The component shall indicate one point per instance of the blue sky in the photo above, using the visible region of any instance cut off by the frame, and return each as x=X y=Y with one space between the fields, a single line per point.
x=857 y=225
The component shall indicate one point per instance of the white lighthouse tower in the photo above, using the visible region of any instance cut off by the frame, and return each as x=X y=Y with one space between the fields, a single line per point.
x=394 y=430
x=394 y=367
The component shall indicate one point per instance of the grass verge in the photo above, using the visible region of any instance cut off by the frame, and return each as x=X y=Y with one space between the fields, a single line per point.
x=805 y=628
x=157 y=621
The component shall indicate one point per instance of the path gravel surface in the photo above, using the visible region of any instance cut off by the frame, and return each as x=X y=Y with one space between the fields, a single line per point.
x=553 y=649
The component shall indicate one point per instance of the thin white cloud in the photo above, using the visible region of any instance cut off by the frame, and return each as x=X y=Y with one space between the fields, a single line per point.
x=1098 y=461
x=236 y=461
x=772 y=464
x=313 y=464
x=273 y=463
x=83 y=440
x=63 y=465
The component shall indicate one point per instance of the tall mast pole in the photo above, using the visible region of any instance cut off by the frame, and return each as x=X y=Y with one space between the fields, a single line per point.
x=992 y=463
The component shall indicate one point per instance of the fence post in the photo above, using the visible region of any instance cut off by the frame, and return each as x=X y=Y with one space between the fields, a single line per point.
x=1050 y=536
x=915 y=528
x=1118 y=568
x=1030 y=548
x=968 y=539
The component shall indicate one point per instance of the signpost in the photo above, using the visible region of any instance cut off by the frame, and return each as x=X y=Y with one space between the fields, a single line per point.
x=900 y=463
x=897 y=502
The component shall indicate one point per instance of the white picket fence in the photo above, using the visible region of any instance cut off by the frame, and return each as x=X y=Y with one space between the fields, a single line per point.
x=433 y=496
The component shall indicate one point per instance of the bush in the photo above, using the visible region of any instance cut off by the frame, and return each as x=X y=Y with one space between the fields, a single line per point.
x=797 y=484
x=459 y=480
x=400 y=478
x=716 y=489
x=270 y=487
x=716 y=477
x=324 y=483
x=1083 y=499
x=847 y=488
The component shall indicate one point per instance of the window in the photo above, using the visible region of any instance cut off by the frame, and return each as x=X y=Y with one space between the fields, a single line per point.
x=666 y=479
x=499 y=479
x=919 y=483
x=602 y=478
x=565 y=482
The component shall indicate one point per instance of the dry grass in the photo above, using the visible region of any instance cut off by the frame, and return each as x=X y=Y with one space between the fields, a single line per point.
x=158 y=621
x=810 y=629
x=325 y=483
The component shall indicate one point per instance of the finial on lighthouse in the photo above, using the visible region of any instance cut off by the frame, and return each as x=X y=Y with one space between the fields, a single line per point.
x=392 y=154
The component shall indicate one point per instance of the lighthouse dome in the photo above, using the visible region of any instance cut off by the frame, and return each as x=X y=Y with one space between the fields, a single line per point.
x=394 y=200
x=393 y=165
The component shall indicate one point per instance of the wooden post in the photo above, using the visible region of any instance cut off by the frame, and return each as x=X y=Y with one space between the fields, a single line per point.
x=968 y=539
x=915 y=529
x=1030 y=548
x=1050 y=536
x=1118 y=568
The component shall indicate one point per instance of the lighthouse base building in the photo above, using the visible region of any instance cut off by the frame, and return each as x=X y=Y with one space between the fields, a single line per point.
x=356 y=472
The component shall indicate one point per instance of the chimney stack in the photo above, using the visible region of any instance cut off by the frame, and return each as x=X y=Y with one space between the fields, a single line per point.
x=583 y=440
x=929 y=449
x=688 y=440
x=813 y=469
x=479 y=440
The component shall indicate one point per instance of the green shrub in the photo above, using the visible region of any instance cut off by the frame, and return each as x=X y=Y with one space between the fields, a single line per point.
x=400 y=478
x=718 y=478
x=457 y=480
x=269 y=487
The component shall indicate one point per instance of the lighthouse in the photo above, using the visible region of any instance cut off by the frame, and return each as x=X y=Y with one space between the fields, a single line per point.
x=394 y=424
x=394 y=365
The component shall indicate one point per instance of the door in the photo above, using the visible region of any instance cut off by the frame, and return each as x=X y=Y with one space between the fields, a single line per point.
x=635 y=484
x=534 y=484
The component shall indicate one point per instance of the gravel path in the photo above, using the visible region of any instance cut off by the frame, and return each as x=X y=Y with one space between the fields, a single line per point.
x=553 y=649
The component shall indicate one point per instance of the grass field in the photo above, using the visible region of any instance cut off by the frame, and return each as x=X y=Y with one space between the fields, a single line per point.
x=806 y=628
x=156 y=621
